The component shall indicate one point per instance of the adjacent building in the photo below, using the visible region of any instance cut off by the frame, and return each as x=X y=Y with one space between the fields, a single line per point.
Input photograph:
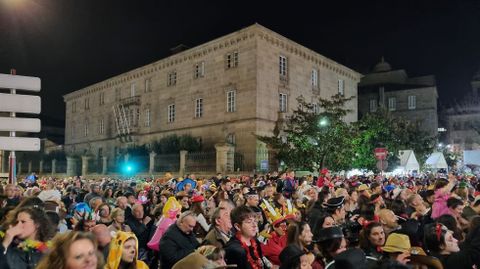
x=463 y=120
x=412 y=98
x=227 y=90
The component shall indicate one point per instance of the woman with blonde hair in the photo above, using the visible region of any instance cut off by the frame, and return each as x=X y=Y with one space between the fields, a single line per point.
x=71 y=251
x=118 y=221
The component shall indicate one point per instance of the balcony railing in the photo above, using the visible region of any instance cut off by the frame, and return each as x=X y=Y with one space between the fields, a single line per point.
x=133 y=100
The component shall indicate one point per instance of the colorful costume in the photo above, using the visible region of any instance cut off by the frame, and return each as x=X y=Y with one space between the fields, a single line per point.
x=116 y=249
x=169 y=216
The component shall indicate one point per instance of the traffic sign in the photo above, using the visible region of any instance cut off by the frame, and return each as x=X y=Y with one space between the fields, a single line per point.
x=20 y=124
x=20 y=82
x=20 y=103
x=19 y=143
x=381 y=153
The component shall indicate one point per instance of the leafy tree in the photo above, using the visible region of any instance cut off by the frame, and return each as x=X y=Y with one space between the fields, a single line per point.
x=312 y=139
x=173 y=144
x=380 y=129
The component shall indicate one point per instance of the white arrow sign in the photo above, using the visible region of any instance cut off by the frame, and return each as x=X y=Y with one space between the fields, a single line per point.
x=20 y=103
x=19 y=143
x=20 y=82
x=20 y=124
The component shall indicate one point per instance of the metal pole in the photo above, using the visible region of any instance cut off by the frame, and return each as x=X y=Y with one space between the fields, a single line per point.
x=12 y=173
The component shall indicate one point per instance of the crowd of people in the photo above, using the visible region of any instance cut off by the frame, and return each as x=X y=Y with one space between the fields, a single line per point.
x=274 y=220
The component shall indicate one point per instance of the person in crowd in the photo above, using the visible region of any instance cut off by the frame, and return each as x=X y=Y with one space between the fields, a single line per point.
x=443 y=190
x=244 y=249
x=74 y=250
x=397 y=248
x=118 y=221
x=169 y=215
x=141 y=226
x=178 y=241
x=221 y=232
x=103 y=214
x=300 y=234
x=202 y=227
x=292 y=257
x=335 y=208
x=95 y=191
x=455 y=208
x=71 y=199
x=388 y=220
x=372 y=238
x=50 y=193
x=26 y=240
x=12 y=199
x=252 y=201
x=184 y=199
x=104 y=237
x=108 y=196
x=277 y=240
x=330 y=243
x=124 y=252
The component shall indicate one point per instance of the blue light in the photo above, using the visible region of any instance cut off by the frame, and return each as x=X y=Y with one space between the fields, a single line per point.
x=129 y=168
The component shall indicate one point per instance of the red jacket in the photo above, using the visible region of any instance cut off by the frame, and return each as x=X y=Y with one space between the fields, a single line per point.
x=274 y=246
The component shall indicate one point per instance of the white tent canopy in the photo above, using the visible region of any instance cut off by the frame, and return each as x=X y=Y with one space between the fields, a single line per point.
x=471 y=157
x=408 y=161
x=436 y=161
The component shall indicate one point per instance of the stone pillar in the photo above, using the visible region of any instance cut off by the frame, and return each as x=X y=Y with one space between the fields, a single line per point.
x=29 y=167
x=85 y=160
x=19 y=170
x=183 y=161
x=152 y=162
x=126 y=157
x=71 y=166
x=104 y=165
x=225 y=157
x=54 y=167
x=40 y=169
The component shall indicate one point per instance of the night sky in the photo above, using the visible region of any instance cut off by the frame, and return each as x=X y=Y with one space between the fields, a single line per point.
x=71 y=44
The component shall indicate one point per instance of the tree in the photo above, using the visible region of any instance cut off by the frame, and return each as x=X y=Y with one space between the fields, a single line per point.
x=312 y=139
x=380 y=129
x=173 y=144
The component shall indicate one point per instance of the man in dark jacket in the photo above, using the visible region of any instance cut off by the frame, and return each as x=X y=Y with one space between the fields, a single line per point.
x=141 y=226
x=178 y=241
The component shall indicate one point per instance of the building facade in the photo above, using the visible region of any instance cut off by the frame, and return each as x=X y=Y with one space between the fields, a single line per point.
x=463 y=121
x=412 y=98
x=227 y=90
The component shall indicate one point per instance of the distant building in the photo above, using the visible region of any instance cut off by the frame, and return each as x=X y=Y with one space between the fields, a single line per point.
x=224 y=91
x=412 y=98
x=463 y=120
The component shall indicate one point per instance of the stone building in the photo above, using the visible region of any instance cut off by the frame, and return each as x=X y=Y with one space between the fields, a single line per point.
x=463 y=120
x=224 y=91
x=412 y=98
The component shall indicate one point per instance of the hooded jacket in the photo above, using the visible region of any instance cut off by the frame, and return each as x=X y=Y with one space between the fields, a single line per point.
x=116 y=249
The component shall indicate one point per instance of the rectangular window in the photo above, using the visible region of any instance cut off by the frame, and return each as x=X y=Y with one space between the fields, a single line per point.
x=74 y=107
x=199 y=70
x=171 y=113
x=314 y=78
x=373 y=105
x=137 y=117
x=172 y=78
x=101 y=127
x=102 y=98
x=147 y=117
x=148 y=86
x=231 y=101
x=132 y=90
x=283 y=62
x=283 y=102
x=392 y=104
x=86 y=129
x=231 y=59
x=412 y=102
x=231 y=138
x=198 y=108
x=87 y=103
x=341 y=87
x=118 y=94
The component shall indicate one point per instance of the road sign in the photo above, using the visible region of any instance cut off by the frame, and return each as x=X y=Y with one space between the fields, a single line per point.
x=382 y=165
x=20 y=124
x=20 y=82
x=381 y=153
x=19 y=143
x=20 y=103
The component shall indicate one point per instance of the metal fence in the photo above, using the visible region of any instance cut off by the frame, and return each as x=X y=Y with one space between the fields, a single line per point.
x=201 y=161
x=167 y=162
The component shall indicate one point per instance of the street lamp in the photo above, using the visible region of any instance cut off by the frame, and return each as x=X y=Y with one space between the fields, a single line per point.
x=323 y=122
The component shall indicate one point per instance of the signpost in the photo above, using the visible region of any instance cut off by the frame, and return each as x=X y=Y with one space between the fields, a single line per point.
x=16 y=103
x=381 y=156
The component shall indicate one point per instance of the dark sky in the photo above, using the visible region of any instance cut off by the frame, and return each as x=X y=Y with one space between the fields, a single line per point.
x=70 y=44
